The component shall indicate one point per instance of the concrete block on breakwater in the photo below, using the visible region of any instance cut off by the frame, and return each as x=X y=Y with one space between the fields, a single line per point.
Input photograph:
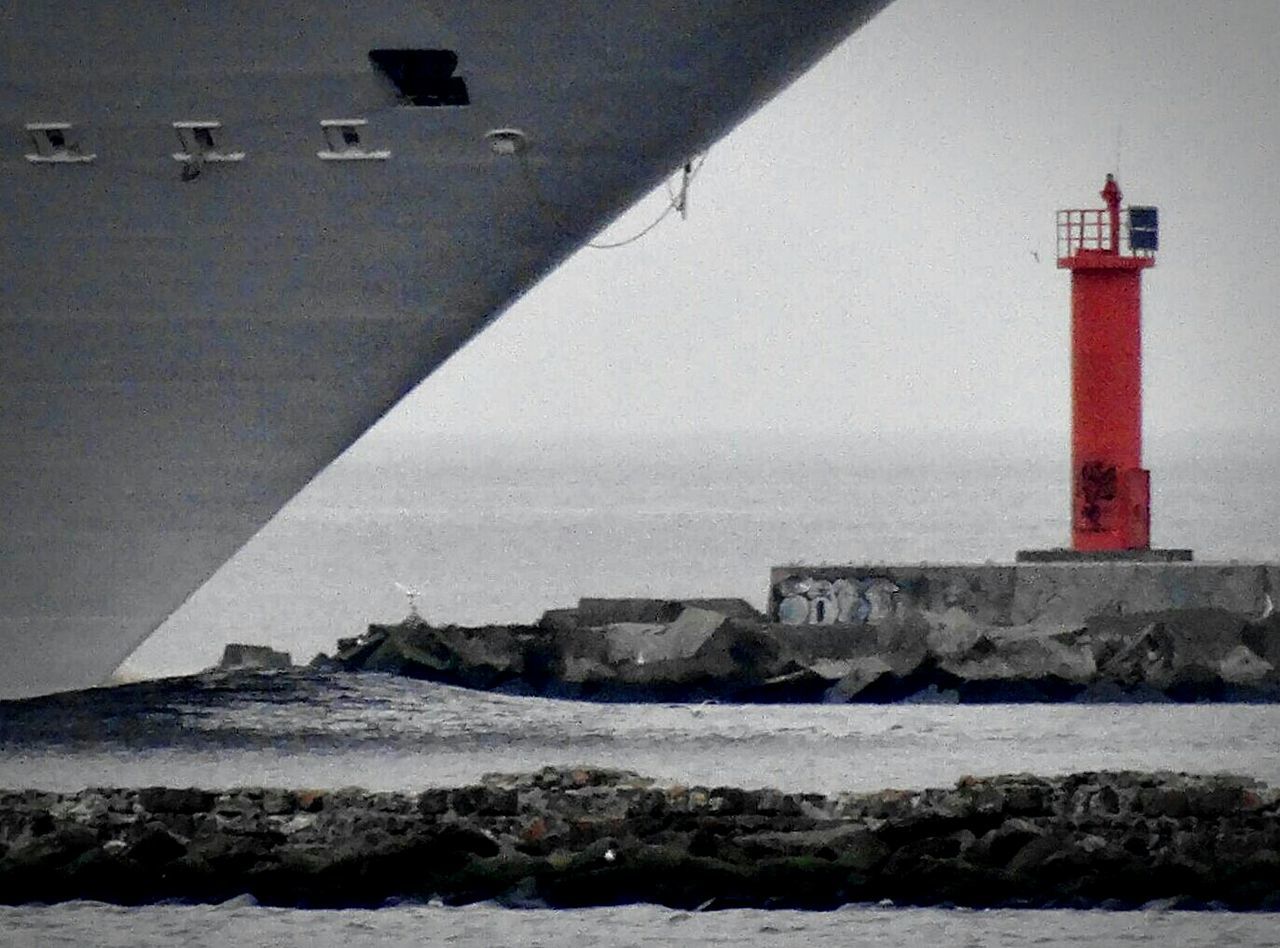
x=1051 y=595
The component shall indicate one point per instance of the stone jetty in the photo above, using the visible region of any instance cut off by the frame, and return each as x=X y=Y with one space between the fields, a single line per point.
x=694 y=650
x=580 y=837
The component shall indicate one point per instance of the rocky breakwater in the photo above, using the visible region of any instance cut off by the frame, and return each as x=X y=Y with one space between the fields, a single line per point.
x=593 y=837
x=695 y=650
x=605 y=649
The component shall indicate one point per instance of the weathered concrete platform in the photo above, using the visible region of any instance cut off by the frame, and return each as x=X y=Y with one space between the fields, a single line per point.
x=1065 y=555
x=1053 y=594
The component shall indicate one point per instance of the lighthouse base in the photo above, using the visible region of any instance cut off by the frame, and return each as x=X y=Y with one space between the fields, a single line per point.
x=1064 y=555
x=1044 y=597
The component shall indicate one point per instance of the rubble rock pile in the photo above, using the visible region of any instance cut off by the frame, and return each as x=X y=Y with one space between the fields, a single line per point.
x=563 y=837
x=695 y=650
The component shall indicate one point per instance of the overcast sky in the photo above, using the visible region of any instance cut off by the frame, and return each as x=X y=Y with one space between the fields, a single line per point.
x=860 y=257
x=862 y=251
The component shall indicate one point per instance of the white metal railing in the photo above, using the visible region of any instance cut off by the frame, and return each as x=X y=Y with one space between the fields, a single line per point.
x=1090 y=229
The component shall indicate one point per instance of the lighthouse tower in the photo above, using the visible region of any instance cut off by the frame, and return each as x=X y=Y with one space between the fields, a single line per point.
x=1110 y=489
x=1106 y=249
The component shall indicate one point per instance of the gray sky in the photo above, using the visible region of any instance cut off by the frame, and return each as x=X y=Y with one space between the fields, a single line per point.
x=859 y=259
x=859 y=253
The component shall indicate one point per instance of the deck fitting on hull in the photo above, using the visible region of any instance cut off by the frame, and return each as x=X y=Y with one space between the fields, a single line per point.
x=201 y=145
x=507 y=141
x=343 y=136
x=55 y=143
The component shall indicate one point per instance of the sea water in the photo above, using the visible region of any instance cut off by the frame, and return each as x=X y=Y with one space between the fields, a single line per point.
x=482 y=926
x=493 y=536
x=498 y=531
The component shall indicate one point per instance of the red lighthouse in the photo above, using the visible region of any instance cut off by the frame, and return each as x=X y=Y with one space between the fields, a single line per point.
x=1106 y=251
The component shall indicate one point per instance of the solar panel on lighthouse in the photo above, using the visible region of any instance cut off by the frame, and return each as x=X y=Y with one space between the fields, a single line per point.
x=1144 y=228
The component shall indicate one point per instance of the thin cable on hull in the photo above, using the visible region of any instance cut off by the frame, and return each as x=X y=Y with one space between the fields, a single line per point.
x=676 y=201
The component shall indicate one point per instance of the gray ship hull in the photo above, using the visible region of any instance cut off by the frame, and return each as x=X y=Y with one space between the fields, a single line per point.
x=185 y=342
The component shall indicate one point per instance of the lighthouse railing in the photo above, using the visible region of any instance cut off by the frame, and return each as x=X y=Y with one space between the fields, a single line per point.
x=1090 y=229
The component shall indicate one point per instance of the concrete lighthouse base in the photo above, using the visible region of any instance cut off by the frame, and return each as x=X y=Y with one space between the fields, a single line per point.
x=1050 y=594
x=1065 y=555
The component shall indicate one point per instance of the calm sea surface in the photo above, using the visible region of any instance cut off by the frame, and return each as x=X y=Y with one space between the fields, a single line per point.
x=479 y=926
x=499 y=532
x=498 y=535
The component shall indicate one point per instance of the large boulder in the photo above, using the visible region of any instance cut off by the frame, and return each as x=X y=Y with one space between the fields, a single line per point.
x=479 y=658
x=633 y=642
x=1021 y=655
x=643 y=643
x=1262 y=636
x=1181 y=652
x=238 y=657
x=1242 y=666
x=887 y=676
x=859 y=676
x=741 y=652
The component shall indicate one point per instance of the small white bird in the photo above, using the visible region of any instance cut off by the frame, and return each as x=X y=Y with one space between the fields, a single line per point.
x=412 y=595
x=610 y=855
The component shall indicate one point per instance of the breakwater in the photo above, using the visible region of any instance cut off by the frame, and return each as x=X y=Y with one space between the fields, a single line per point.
x=694 y=650
x=576 y=837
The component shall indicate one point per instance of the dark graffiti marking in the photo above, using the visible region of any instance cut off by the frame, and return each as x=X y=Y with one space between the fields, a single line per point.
x=1098 y=485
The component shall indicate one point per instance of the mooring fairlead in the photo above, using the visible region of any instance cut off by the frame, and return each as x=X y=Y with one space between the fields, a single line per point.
x=1106 y=251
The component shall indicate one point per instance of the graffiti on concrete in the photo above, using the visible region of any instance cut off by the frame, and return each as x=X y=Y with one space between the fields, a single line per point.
x=1098 y=486
x=803 y=600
